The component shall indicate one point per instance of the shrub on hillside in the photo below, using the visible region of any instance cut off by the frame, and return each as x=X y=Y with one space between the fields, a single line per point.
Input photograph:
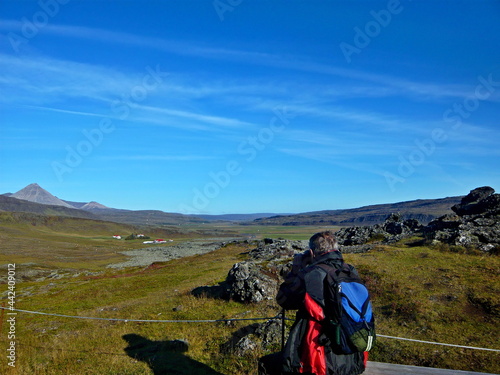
x=135 y=237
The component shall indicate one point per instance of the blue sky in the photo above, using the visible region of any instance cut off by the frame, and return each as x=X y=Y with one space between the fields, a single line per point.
x=233 y=106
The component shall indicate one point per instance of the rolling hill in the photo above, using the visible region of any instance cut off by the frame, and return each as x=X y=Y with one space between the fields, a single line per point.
x=423 y=210
x=7 y=203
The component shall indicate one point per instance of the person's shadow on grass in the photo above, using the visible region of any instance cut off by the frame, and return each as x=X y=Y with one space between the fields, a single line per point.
x=165 y=357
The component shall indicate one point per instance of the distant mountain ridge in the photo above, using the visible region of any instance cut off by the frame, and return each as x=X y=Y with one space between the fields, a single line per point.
x=85 y=205
x=236 y=217
x=33 y=198
x=36 y=194
x=7 y=203
x=423 y=210
x=36 y=199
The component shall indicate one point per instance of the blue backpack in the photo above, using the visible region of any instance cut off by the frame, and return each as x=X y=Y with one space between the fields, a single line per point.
x=349 y=323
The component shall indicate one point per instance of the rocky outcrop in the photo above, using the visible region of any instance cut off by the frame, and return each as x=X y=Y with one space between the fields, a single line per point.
x=476 y=222
x=259 y=277
x=476 y=202
x=392 y=230
x=270 y=249
x=256 y=279
x=266 y=335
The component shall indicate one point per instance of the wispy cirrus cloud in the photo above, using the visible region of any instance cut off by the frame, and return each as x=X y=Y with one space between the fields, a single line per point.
x=117 y=37
x=337 y=157
x=163 y=117
x=65 y=111
x=157 y=157
x=34 y=80
x=52 y=85
x=385 y=84
x=225 y=122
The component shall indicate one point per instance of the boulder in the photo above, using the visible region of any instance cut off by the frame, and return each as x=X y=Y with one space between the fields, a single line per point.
x=270 y=333
x=267 y=335
x=258 y=278
x=392 y=230
x=270 y=249
x=357 y=235
x=442 y=229
x=244 y=345
x=476 y=223
x=247 y=283
x=473 y=203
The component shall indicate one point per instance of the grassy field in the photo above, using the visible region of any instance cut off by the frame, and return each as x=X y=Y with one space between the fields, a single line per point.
x=424 y=293
x=278 y=231
x=74 y=243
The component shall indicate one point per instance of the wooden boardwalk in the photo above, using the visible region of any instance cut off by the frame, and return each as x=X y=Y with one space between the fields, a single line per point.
x=378 y=368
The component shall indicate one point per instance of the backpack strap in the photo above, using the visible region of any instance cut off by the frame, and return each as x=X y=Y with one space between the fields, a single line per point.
x=332 y=271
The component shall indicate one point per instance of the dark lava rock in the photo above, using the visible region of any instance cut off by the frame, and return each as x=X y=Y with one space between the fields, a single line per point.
x=258 y=278
x=476 y=223
x=266 y=335
x=247 y=283
x=473 y=203
x=392 y=230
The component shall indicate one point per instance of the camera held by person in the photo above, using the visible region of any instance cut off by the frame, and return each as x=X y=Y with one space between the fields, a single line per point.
x=301 y=261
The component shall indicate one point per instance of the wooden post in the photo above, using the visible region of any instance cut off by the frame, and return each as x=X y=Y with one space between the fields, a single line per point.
x=282 y=329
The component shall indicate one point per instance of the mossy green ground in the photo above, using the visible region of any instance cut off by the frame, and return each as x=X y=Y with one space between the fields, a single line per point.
x=418 y=292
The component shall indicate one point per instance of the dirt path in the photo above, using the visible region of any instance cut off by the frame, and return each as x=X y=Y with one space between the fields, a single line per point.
x=148 y=255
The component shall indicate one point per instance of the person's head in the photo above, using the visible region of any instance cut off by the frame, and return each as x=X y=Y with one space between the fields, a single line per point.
x=323 y=242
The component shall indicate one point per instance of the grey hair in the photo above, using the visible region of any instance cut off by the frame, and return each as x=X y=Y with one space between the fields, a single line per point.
x=323 y=242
